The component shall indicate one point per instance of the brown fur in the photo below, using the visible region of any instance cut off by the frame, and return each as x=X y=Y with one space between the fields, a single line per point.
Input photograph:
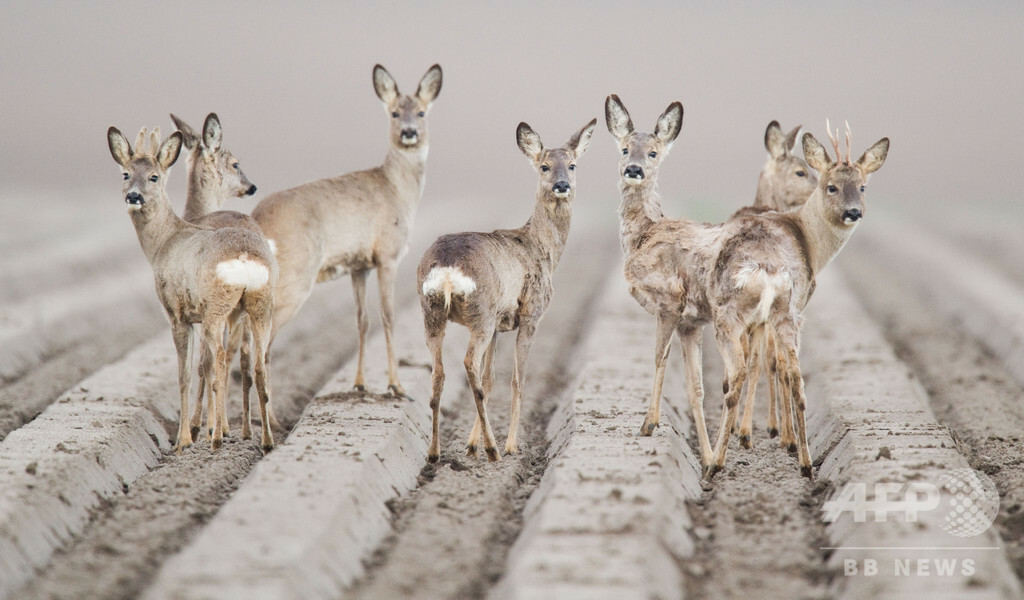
x=214 y=174
x=186 y=261
x=355 y=222
x=742 y=275
x=511 y=270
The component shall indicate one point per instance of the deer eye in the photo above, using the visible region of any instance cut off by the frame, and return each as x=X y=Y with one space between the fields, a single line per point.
x=545 y=168
x=125 y=176
x=832 y=189
x=154 y=178
x=801 y=174
x=394 y=115
x=652 y=154
x=625 y=151
x=572 y=167
x=421 y=114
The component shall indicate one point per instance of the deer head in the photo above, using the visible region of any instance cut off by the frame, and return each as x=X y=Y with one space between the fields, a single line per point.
x=642 y=153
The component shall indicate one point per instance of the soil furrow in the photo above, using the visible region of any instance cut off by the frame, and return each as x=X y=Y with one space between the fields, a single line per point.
x=608 y=519
x=466 y=512
x=970 y=390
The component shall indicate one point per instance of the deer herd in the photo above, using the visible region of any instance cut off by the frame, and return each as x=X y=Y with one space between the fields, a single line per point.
x=234 y=280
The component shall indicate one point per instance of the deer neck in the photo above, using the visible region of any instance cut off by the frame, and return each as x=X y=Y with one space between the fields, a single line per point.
x=765 y=197
x=824 y=239
x=156 y=228
x=640 y=208
x=407 y=172
x=204 y=195
x=548 y=227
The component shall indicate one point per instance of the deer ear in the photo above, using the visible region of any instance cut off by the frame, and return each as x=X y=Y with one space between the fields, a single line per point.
x=384 y=84
x=212 y=132
x=430 y=85
x=189 y=135
x=169 y=151
x=578 y=143
x=669 y=124
x=791 y=138
x=874 y=156
x=815 y=154
x=617 y=117
x=120 y=149
x=775 y=141
x=528 y=141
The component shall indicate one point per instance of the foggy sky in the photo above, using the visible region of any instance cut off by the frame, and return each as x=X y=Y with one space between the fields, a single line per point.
x=292 y=86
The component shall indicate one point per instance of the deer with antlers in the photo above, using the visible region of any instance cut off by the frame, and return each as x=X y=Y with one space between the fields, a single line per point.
x=751 y=271
x=214 y=175
x=499 y=281
x=355 y=222
x=202 y=275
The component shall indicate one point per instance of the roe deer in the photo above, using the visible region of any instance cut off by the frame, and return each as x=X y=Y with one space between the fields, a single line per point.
x=763 y=275
x=355 y=222
x=499 y=281
x=688 y=274
x=201 y=275
x=785 y=183
x=214 y=175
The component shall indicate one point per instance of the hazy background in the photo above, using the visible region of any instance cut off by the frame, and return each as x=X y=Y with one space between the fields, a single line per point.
x=292 y=85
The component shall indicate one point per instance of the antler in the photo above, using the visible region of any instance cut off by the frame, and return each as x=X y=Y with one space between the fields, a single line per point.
x=834 y=139
x=849 y=151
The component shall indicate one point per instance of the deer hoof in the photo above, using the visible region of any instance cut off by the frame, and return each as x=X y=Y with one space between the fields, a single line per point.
x=745 y=441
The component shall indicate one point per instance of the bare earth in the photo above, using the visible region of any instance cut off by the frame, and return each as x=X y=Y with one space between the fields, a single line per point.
x=904 y=384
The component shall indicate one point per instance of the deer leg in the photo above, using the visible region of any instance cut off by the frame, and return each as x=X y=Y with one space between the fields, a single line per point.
x=488 y=382
x=386 y=285
x=213 y=334
x=731 y=346
x=478 y=343
x=789 y=339
x=363 y=322
x=245 y=363
x=183 y=344
x=771 y=368
x=524 y=339
x=662 y=345
x=753 y=375
x=197 y=414
x=435 y=340
x=259 y=328
x=691 y=342
x=788 y=438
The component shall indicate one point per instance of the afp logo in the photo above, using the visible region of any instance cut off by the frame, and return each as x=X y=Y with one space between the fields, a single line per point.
x=968 y=499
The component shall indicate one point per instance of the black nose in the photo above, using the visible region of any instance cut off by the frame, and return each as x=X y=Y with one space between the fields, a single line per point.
x=560 y=187
x=133 y=198
x=852 y=214
x=634 y=172
x=251 y=190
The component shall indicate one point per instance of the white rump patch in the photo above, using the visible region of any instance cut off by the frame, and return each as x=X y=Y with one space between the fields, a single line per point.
x=461 y=285
x=243 y=272
x=751 y=277
x=273 y=246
